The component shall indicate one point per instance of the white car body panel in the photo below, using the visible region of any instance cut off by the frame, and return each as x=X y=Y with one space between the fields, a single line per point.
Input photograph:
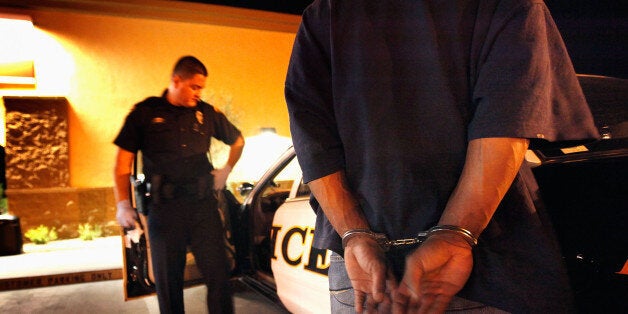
x=300 y=289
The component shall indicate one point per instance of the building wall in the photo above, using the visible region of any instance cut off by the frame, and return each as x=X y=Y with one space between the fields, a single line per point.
x=103 y=63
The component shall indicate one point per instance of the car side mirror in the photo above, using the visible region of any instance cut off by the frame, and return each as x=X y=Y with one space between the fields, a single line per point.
x=245 y=188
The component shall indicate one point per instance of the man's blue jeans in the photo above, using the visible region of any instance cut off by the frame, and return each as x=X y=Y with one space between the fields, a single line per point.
x=342 y=298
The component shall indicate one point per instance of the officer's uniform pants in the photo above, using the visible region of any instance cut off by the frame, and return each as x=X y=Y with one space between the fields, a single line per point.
x=175 y=223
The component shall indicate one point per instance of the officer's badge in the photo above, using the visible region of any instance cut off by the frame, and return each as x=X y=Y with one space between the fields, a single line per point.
x=157 y=120
x=199 y=117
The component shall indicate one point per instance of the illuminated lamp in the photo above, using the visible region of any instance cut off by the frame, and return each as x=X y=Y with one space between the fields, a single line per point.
x=16 y=56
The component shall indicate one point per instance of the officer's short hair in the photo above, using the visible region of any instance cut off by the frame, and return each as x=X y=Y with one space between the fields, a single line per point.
x=189 y=66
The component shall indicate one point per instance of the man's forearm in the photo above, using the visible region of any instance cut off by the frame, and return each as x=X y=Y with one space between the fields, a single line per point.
x=490 y=167
x=122 y=187
x=338 y=202
x=121 y=175
x=235 y=152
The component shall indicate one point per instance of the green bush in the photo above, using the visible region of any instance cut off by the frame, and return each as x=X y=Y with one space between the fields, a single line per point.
x=86 y=233
x=41 y=234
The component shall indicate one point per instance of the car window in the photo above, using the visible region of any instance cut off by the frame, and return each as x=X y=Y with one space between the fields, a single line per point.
x=283 y=179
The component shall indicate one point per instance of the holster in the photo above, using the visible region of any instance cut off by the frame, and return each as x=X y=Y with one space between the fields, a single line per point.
x=141 y=193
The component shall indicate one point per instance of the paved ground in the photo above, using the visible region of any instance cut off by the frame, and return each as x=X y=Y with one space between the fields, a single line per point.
x=94 y=296
x=107 y=297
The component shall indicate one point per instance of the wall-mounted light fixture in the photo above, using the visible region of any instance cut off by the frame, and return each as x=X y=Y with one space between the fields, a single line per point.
x=17 y=48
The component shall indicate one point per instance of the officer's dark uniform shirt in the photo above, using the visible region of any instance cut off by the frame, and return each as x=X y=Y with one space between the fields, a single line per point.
x=174 y=140
x=392 y=92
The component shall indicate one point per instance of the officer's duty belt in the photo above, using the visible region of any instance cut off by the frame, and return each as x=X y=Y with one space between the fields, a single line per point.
x=163 y=189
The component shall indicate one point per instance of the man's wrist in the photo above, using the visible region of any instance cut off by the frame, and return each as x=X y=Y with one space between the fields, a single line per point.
x=380 y=238
x=125 y=204
x=454 y=230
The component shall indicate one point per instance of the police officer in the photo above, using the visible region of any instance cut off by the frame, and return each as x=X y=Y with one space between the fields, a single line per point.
x=173 y=132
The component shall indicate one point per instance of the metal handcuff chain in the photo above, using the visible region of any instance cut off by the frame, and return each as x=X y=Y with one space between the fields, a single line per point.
x=387 y=244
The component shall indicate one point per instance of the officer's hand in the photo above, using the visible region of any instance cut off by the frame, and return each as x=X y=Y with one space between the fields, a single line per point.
x=220 y=177
x=125 y=214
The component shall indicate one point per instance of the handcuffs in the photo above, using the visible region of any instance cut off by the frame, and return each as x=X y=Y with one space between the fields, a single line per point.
x=387 y=244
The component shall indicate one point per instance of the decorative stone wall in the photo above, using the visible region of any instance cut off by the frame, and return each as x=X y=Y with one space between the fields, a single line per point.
x=36 y=142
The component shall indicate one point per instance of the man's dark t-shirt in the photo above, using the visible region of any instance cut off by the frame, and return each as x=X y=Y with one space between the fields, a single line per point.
x=391 y=92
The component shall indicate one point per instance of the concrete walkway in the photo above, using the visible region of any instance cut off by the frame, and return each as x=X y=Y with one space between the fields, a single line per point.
x=75 y=276
x=62 y=257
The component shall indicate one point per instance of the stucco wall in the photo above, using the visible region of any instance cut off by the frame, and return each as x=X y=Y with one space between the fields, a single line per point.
x=103 y=64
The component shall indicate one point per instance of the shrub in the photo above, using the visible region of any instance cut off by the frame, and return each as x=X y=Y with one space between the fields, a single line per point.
x=86 y=233
x=41 y=234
